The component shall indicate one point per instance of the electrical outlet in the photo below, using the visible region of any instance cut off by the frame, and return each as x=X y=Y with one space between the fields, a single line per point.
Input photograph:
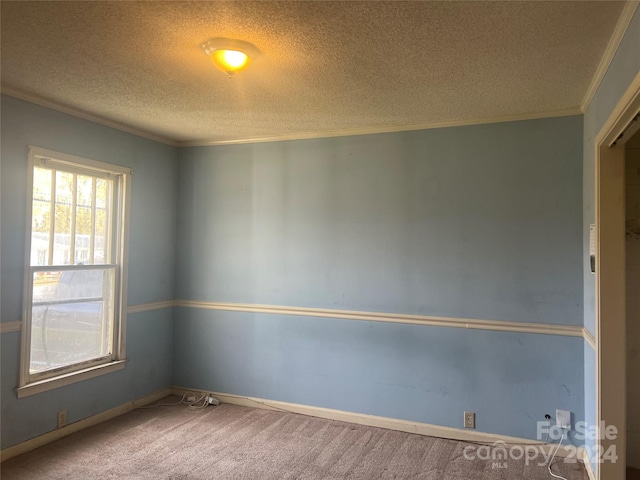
x=469 y=420
x=62 y=418
x=563 y=419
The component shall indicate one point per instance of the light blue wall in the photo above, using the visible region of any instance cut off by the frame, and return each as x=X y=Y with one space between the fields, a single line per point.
x=623 y=69
x=410 y=372
x=148 y=369
x=475 y=222
x=151 y=264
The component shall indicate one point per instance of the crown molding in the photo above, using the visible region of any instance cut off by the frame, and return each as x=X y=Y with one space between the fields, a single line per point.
x=614 y=42
x=76 y=112
x=386 y=129
x=38 y=100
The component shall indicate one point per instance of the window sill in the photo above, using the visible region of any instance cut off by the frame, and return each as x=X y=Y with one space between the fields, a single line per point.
x=69 y=378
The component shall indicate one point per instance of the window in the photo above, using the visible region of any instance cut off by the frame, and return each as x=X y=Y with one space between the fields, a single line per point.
x=75 y=297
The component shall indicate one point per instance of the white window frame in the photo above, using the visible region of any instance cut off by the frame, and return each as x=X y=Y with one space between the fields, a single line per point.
x=31 y=384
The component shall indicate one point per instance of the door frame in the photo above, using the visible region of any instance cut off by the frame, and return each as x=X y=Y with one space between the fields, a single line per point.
x=610 y=280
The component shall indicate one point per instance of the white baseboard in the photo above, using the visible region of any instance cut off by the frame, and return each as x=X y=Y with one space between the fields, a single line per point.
x=49 y=437
x=320 y=412
x=388 y=423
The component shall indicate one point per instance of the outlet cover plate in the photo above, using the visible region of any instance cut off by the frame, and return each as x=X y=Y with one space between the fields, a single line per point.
x=62 y=418
x=469 y=420
x=563 y=419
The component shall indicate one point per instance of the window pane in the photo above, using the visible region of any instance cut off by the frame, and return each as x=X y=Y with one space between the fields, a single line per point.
x=72 y=317
x=75 y=230
x=41 y=216
x=62 y=237
x=83 y=232
x=101 y=228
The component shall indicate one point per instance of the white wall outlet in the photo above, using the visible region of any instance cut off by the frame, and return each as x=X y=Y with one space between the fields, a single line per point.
x=563 y=419
x=62 y=418
x=469 y=420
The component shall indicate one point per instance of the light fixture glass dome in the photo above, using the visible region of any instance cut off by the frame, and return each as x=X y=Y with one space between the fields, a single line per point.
x=229 y=55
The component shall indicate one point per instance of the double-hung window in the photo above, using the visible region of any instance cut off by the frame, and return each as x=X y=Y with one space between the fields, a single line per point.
x=75 y=285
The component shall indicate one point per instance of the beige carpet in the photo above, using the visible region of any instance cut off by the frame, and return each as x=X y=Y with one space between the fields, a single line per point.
x=232 y=442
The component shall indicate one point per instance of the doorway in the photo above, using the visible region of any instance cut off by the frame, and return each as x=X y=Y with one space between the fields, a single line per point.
x=610 y=279
x=632 y=263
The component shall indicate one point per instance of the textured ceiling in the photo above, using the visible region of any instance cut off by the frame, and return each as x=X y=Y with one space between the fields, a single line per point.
x=325 y=66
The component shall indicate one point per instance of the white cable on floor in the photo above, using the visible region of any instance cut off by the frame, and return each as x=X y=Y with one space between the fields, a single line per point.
x=198 y=403
x=553 y=456
x=195 y=404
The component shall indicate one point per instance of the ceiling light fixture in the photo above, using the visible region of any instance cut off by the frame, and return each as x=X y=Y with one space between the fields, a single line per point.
x=230 y=56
